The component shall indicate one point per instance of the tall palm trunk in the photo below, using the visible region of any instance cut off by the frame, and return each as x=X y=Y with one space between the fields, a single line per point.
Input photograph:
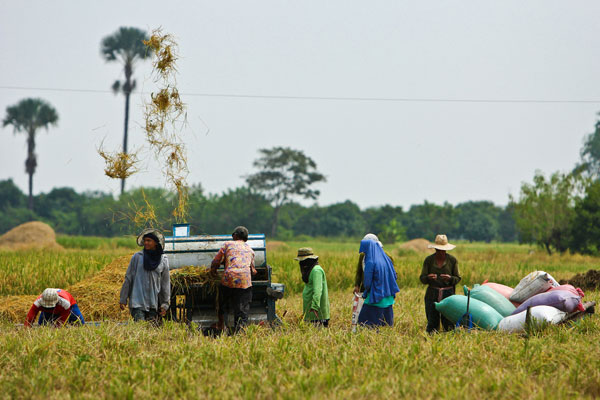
x=127 y=90
x=30 y=164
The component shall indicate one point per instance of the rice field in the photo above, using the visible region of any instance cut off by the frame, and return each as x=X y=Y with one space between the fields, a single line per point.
x=299 y=360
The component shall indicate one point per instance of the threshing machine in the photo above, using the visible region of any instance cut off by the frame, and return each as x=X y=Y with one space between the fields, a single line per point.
x=197 y=303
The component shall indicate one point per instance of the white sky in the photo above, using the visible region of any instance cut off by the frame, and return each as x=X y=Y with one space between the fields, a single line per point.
x=372 y=152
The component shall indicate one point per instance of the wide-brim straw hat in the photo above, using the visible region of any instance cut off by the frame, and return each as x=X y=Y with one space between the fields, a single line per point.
x=155 y=232
x=304 y=253
x=441 y=243
x=49 y=298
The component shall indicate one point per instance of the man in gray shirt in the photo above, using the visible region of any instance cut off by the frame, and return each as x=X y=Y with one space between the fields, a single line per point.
x=147 y=283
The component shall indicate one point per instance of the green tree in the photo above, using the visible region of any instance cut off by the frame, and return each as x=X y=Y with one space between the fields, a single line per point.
x=477 y=220
x=585 y=229
x=392 y=232
x=284 y=173
x=28 y=116
x=428 y=220
x=590 y=154
x=545 y=210
x=126 y=46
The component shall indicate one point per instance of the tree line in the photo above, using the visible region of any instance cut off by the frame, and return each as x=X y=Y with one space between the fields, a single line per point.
x=101 y=214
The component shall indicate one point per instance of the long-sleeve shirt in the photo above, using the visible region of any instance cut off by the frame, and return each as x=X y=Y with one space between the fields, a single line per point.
x=145 y=289
x=449 y=267
x=315 y=295
x=62 y=308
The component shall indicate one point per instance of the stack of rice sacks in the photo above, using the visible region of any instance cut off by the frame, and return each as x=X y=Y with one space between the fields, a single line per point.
x=496 y=306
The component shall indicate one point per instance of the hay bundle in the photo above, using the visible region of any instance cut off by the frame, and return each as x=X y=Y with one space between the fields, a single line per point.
x=30 y=235
x=15 y=308
x=418 y=245
x=183 y=278
x=98 y=297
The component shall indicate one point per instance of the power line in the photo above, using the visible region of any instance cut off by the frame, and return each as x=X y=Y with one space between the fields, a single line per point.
x=328 y=98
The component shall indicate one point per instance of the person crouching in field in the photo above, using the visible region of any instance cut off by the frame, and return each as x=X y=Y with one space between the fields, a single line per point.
x=315 y=297
x=380 y=285
x=147 y=284
x=57 y=306
x=236 y=284
x=440 y=272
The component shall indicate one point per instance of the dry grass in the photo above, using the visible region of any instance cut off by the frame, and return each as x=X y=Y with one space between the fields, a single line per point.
x=119 y=165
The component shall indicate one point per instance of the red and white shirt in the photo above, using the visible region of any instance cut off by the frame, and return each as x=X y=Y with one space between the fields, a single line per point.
x=63 y=307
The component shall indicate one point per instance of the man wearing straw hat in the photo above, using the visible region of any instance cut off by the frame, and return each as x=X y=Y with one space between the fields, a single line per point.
x=57 y=306
x=147 y=283
x=440 y=272
x=315 y=297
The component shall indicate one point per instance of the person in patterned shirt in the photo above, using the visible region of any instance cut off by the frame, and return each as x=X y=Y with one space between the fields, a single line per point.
x=236 y=285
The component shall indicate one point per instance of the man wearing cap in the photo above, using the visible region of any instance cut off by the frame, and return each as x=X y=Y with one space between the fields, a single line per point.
x=57 y=306
x=147 y=284
x=440 y=272
x=236 y=285
x=315 y=297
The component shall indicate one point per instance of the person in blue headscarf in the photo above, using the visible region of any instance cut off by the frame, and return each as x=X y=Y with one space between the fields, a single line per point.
x=380 y=286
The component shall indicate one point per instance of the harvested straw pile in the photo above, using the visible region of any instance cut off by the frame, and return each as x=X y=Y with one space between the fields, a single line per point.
x=418 y=245
x=97 y=297
x=30 y=235
x=588 y=281
x=182 y=278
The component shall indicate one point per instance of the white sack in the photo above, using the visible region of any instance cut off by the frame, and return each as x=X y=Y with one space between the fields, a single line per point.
x=541 y=314
x=534 y=283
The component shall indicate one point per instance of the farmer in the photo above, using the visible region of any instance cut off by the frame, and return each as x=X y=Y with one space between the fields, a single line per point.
x=440 y=272
x=147 y=283
x=380 y=286
x=236 y=285
x=360 y=268
x=57 y=306
x=315 y=298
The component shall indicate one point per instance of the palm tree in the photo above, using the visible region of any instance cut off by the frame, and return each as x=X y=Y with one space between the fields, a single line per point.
x=28 y=116
x=125 y=46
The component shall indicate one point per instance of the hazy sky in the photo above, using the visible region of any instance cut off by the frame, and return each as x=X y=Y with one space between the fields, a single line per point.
x=373 y=152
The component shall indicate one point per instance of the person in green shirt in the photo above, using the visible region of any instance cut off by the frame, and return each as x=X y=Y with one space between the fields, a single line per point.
x=440 y=272
x=315 y=297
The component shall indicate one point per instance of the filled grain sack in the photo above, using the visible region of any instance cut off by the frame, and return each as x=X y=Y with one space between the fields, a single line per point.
x=455 y=306
x=492 y=298
x=504 y=290
x=570 y=288
x=534 y=283
x=539 y=314
x=563 y=300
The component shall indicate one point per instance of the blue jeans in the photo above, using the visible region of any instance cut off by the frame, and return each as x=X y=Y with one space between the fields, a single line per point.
x=74 y=317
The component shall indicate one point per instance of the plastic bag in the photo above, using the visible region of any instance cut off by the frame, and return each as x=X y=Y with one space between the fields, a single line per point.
x=357 y=304
x=504 y=290
x=563 y=300
x=492 y=298
x=570 y=288
x=455 y=306
x=534 y=283
x=541 y=314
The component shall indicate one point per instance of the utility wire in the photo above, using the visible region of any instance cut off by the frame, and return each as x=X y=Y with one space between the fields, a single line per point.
x=327 y=98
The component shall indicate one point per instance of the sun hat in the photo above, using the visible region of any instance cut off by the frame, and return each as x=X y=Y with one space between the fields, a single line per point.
x=304 y=253
x=49 y=298
x=154 y=233
x=441 y=243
